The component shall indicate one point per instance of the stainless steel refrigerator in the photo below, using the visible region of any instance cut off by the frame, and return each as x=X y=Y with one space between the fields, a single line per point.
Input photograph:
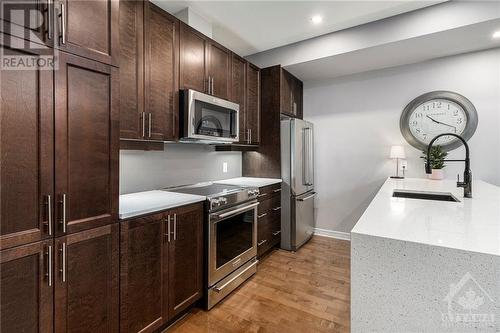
x=297 y=172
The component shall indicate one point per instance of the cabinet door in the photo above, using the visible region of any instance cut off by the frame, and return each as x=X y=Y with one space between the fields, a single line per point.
x=143 y=266
x=193 y=49
x=27 y=152
x=89 y=29
x=238 y=93
x=185 y=258
x=286 y=92
x=297 y=92
x=26 y=297
x=86 y=133
x=161 y=86
x=219 y=70
x=86 y=281
x=253 y=103
x=29 y=20
x=131 y=70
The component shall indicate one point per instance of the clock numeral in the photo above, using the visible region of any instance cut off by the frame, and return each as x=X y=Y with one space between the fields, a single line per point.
x=459 y=121
x=414 y=123
x=455 y=113
x=418 y=115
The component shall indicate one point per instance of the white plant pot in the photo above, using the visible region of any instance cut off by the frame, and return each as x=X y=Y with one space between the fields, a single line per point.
x=437 y=174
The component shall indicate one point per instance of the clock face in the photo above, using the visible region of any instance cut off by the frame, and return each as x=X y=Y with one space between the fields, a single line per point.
x=435 y=113
x=435 y=117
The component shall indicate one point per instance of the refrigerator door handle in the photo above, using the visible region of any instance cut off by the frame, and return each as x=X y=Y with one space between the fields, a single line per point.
x=310 y=167
x=304 y=156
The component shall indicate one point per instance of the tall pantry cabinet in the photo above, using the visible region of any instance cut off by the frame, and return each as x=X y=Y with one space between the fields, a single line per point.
x=59 y=174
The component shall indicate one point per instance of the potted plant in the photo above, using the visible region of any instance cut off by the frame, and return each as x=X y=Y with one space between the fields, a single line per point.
x=437 y=156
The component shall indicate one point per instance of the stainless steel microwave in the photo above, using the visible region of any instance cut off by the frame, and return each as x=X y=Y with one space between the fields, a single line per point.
x=208 y=119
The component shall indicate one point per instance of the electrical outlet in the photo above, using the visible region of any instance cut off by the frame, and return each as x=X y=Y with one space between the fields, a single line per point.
x=224 y=167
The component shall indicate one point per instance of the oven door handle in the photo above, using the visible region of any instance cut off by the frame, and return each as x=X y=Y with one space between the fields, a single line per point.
x=237 y=211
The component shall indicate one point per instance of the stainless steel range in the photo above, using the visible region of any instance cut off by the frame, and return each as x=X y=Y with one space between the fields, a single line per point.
x=231 y=236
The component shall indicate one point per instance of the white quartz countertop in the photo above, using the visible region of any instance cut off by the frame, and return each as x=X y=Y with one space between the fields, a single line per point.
x=140 y=203
x=250 y=181
x=470 y=225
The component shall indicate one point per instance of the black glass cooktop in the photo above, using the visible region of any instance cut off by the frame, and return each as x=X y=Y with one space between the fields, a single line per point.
x=206 y=189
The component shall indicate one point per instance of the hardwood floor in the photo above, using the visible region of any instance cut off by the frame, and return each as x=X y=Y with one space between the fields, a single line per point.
x=303 y=292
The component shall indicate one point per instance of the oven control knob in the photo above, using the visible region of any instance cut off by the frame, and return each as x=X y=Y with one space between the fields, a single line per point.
x=223 y=201
x=215 y=203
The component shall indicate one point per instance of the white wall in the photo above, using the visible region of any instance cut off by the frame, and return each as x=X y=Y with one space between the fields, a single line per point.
x=177 y=164
x=357 y=120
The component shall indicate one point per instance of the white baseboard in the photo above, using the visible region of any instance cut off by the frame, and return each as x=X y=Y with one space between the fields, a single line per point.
x=332 y=234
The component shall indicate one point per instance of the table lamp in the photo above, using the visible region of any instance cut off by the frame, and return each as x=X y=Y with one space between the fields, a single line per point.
x=397 y=152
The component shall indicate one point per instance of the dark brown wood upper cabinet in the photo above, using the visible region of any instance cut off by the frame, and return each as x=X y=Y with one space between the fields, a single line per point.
x=219 y=70
x=33 y=26
x=253 y=103
x=239 y=92
x=161 y=92
x=86 y=144
x=86 y=281
x=27 y=289
x=143 y=265
x=161 y=267
x=193 y=59
x=149 y=65
x=27 y=153
x=131 y=69
x=291 y=95
x=185 y=259
x=89 y=28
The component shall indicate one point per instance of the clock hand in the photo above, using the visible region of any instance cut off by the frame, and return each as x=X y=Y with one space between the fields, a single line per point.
x=438 y=122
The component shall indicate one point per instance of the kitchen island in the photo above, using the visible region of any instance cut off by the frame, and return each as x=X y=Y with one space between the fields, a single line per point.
x=424 y=265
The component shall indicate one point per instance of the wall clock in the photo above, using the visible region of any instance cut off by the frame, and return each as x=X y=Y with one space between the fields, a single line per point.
x=435 y=113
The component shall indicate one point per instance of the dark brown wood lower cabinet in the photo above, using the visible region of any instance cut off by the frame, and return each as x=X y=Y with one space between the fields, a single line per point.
x=269 y=219
x=143 y=247
x=186 y=259
x=26 y=290
x=86 y=281
x=161 y=267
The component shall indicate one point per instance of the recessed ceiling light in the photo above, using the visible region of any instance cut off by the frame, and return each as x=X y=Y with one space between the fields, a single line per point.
x=316 y=19
x=496 y=34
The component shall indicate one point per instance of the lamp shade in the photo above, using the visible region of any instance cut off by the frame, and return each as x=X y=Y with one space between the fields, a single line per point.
x=397 y=152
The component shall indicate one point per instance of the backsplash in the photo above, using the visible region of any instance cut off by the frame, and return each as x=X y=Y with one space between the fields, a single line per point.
x=177 y=164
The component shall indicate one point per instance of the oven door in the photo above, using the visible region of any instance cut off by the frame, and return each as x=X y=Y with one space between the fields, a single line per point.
x=232 y=240
x=210 y=118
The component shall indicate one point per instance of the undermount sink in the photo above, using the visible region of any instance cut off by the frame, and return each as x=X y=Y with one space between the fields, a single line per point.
x=438 y=196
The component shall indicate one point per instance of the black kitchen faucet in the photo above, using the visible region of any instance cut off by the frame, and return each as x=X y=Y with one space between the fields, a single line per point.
x=467 y=183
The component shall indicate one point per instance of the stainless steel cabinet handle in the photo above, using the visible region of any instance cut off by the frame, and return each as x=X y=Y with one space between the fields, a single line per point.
x=276 y=233
x=150 y=121
x=261 y=242
x=63 y=219
x=168 y=228
x=261 y=215
x=262 y=195
x=143 y=116
x=276 y=208
x=49 y=265
x=175 y=226
x=63 y=263
x=62 y=15
x=50 y=20
x=49 y=212
x=211 y=85
x=277 y=190
x=308 y=197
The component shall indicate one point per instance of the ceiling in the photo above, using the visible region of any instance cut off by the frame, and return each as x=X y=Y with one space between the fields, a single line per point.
x=249 y=27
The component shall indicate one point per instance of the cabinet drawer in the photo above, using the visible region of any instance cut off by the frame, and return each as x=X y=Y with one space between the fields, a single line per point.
x=268 y=191
x=269 y=205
